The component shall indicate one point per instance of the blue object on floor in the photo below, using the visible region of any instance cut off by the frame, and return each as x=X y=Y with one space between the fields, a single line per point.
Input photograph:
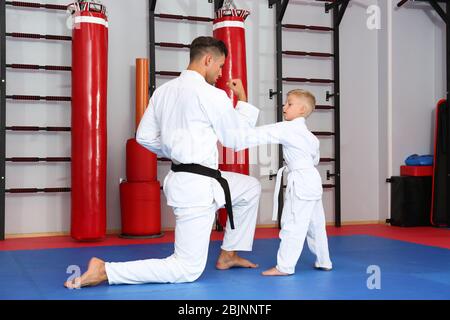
x=407 y=271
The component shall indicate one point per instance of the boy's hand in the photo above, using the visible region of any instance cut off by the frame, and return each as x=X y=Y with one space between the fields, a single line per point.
x=238 y=89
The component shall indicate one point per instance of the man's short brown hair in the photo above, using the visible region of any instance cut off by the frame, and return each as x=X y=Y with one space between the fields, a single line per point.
x=202 y=45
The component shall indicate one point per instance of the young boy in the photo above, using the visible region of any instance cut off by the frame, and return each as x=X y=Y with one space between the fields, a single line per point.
x=303 y=214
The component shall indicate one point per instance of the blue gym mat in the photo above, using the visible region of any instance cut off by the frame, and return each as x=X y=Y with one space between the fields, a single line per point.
x=408 y=271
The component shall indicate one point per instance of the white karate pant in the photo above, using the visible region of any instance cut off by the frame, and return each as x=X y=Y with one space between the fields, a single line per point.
x=192 y=236
x=302 y=219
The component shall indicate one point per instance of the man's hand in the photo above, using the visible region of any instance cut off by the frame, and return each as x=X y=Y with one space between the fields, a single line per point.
x=238 y=89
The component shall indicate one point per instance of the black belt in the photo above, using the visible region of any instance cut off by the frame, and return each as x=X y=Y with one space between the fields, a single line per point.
x=208 y=172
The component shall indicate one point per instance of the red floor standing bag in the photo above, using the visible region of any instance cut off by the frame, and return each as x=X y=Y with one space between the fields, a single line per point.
x=140 y=194
x=140 y=205
x=89 y=100
x=141 y=164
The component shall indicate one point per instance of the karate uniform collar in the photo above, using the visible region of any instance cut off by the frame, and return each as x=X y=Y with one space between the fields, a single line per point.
x=300 y=119
x=192 y=74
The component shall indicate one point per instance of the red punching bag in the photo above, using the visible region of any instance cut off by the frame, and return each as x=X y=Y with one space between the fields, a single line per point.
x=140 y=204
x=229 y=27
x=141 y=164
x=89 y=142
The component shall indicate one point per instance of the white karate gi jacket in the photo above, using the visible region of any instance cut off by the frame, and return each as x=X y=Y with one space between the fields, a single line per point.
x=301 y=152
x=183 y=122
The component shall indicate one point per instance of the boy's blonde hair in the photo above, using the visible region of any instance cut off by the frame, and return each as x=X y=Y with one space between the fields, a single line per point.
x=308 y=96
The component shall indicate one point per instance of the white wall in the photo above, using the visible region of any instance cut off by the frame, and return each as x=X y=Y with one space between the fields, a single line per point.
x=440 y=63
x=359 y=115
x=413 y=81
x=417 y=83
x=384 y=106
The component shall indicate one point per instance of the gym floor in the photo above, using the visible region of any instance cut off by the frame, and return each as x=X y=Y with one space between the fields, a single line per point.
x=371 y=262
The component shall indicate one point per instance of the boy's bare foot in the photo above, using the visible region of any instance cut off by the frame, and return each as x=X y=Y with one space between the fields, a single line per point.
x=94 y=275
x=318 y=267
x=230 y=259
x=274 y=272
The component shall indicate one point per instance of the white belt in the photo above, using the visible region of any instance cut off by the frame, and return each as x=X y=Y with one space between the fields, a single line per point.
x=278 y=181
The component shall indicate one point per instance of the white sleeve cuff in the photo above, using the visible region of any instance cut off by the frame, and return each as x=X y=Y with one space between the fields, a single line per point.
x=248 y=111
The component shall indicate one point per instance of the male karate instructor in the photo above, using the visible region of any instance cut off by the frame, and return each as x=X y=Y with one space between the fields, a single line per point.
x=183 y=122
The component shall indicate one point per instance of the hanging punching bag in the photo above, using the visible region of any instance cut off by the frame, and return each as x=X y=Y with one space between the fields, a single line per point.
x=229 y=27
x=89 y=83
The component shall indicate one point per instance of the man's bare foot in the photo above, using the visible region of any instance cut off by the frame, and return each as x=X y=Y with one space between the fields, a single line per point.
x=94 y=275
x=274 y=272
x=230 y=259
